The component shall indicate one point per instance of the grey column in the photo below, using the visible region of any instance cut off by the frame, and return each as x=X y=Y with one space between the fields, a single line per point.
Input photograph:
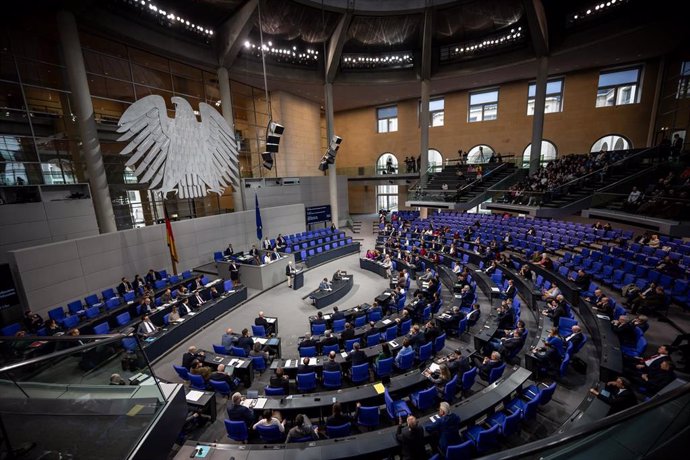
x=330 y=131
x=538 y=120
x=83 y=109
x=424 y=130
x=226 y=106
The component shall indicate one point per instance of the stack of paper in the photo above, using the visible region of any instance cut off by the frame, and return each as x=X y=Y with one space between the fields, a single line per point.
x=194 y=395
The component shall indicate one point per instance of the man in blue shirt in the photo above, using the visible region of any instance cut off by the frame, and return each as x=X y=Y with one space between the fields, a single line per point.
x=405 y=350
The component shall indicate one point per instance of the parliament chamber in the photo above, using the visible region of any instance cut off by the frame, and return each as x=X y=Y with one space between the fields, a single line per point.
x=325 y=229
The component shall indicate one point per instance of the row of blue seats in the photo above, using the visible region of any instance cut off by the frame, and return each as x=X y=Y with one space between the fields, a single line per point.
x=325 y=247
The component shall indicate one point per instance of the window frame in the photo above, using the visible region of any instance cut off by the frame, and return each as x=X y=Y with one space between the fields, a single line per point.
x=683 y=91
x=559 y=94
x=619 y=86
x=388 y=120
x=482 y=105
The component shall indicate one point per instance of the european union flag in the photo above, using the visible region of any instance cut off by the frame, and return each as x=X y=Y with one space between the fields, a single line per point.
x=259 y=227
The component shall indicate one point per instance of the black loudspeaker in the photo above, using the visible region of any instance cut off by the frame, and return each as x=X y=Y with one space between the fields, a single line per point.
x=276 y=129
x=272 y=148
x=267 y=158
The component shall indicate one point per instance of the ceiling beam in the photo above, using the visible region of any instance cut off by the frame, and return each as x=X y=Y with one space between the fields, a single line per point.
x=538 y=27
x=335 y=46
x=233 y=32
x=427 y=29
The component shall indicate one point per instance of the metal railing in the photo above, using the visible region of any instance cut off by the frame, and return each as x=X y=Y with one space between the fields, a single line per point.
x=662 y=207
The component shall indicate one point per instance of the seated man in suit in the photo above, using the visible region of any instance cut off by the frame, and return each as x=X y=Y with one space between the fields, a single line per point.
x=146 y=306
x=656 y=379
x=457 y=364
x=184 y=307
x=347 y=334
x=576 y=337
x=327 y=340
x=581 y=280
x=280 y=380
x=245 y=342
x=151 y=277
x=307 y=341
x=197 y=299
x=254 y=252
x=416 y=337
x=304 y=367
x=548 y=358
x=487 y=364
x=337 y=314
x=505 y=317
x=124 y=286
x=319 y=319
x=146 y=327
x=620 y=395
x=220 y=376
x=331 y=365
x=262 y=321
x=506 y=345
x=191 y=355
x=605 y=307
x=228 y=340
x=198 y=283
x=652 y=364
x=510 y=291
x=229 y=250
x=625 y=330
x=651 y=302
x=238 y=412
x=280 y=241
x=166 y=297
x=357 y=356
x=325 y=285
x=266 y=244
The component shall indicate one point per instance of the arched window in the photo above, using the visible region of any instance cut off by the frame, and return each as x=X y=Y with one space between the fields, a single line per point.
x=479 y=154
x=548 y=153
x=611 y=142
x=387 y=164
x=435 y=160
x=128 y=175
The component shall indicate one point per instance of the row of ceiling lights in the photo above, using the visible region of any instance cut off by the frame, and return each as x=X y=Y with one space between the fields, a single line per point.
x=393 y=59
x=293 y=52
x=596 y=9
x=513 y=35
x=170 y=16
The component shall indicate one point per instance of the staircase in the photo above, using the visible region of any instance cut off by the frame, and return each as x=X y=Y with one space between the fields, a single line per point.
x=586 y=190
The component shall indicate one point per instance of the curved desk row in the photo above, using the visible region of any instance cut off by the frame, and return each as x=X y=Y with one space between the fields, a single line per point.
x=373 y=266
x=373 y=444
x=339 y=288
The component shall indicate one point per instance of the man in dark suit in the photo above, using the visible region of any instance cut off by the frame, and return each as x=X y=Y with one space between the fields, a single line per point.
x=254 y=252
x=262 y=321
x=506 y=317
x=185 y=308
x=221 y=376
x=305 y=368
x=191 y=354
x=556 y=310
x=347 y=334
x=229 y=250
x=307 y=341
x=124 y=286
x=457 y=363
x=625 y=330
x=620 y=397
x=489 y=363
x=331 y=365
x=197 y=299
x=337 y=314
x=357 y=356
x=652 y=364
x=548 y=358
x=511 y=290
x=431 y=331
x=319 y=319
x=651 y=303
x=151 y=277
x=655 y=380
x=582 y=280
x=328 y=340
x=473 y=316
x=446 y=429
x=146 y=327
x=245 y=342
x=576 y=337
x=509 y=344
x=237 y=412
x=410 y=436
x=198 y=283
x=416 y=337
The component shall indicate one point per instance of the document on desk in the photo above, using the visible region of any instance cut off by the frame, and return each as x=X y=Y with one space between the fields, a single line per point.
x=191 y=313
x=194 y=395
x=202 y=451
x=393 y=343
x=343 y=354
x=444 y=316
x=434 y=367
x=260 y=403
x=312 y=361
x=270 y=320
x=218 y=359
x=495 y=289
x=379 y=388
x=260 y=340
x=386 y=321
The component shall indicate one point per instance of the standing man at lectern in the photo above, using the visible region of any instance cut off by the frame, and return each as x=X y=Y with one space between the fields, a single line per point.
x=290 y=273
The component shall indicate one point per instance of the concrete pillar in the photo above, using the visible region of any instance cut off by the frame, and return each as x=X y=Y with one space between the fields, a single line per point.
x=330 y=131
x=424 y=130
x=226 y=108
x=538 y=119
x=423 y=213
x=83 y=110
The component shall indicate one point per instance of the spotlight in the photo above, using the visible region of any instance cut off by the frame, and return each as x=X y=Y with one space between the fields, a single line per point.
x=267 y=158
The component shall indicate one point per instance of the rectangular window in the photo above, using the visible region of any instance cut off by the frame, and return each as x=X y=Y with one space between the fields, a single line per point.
x=619 y=87
x=483 y=106
x=554 y=97
x=436 y=112
x=684 y=81
x=387 y=119
x=387 y=197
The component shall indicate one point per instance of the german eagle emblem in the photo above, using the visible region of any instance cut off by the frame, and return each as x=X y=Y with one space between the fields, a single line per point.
x=181 y=154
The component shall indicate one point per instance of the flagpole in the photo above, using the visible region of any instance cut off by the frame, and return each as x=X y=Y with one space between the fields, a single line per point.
x=172 y=250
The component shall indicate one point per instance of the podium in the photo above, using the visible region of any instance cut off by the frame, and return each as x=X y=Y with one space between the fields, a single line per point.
x=298 y=280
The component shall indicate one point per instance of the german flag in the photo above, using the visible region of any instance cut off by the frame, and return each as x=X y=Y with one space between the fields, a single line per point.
x=170 y=236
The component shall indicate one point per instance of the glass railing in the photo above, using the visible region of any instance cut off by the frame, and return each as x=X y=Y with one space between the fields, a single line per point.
x=662 y=207
x=69 y=395
x=655 y=429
